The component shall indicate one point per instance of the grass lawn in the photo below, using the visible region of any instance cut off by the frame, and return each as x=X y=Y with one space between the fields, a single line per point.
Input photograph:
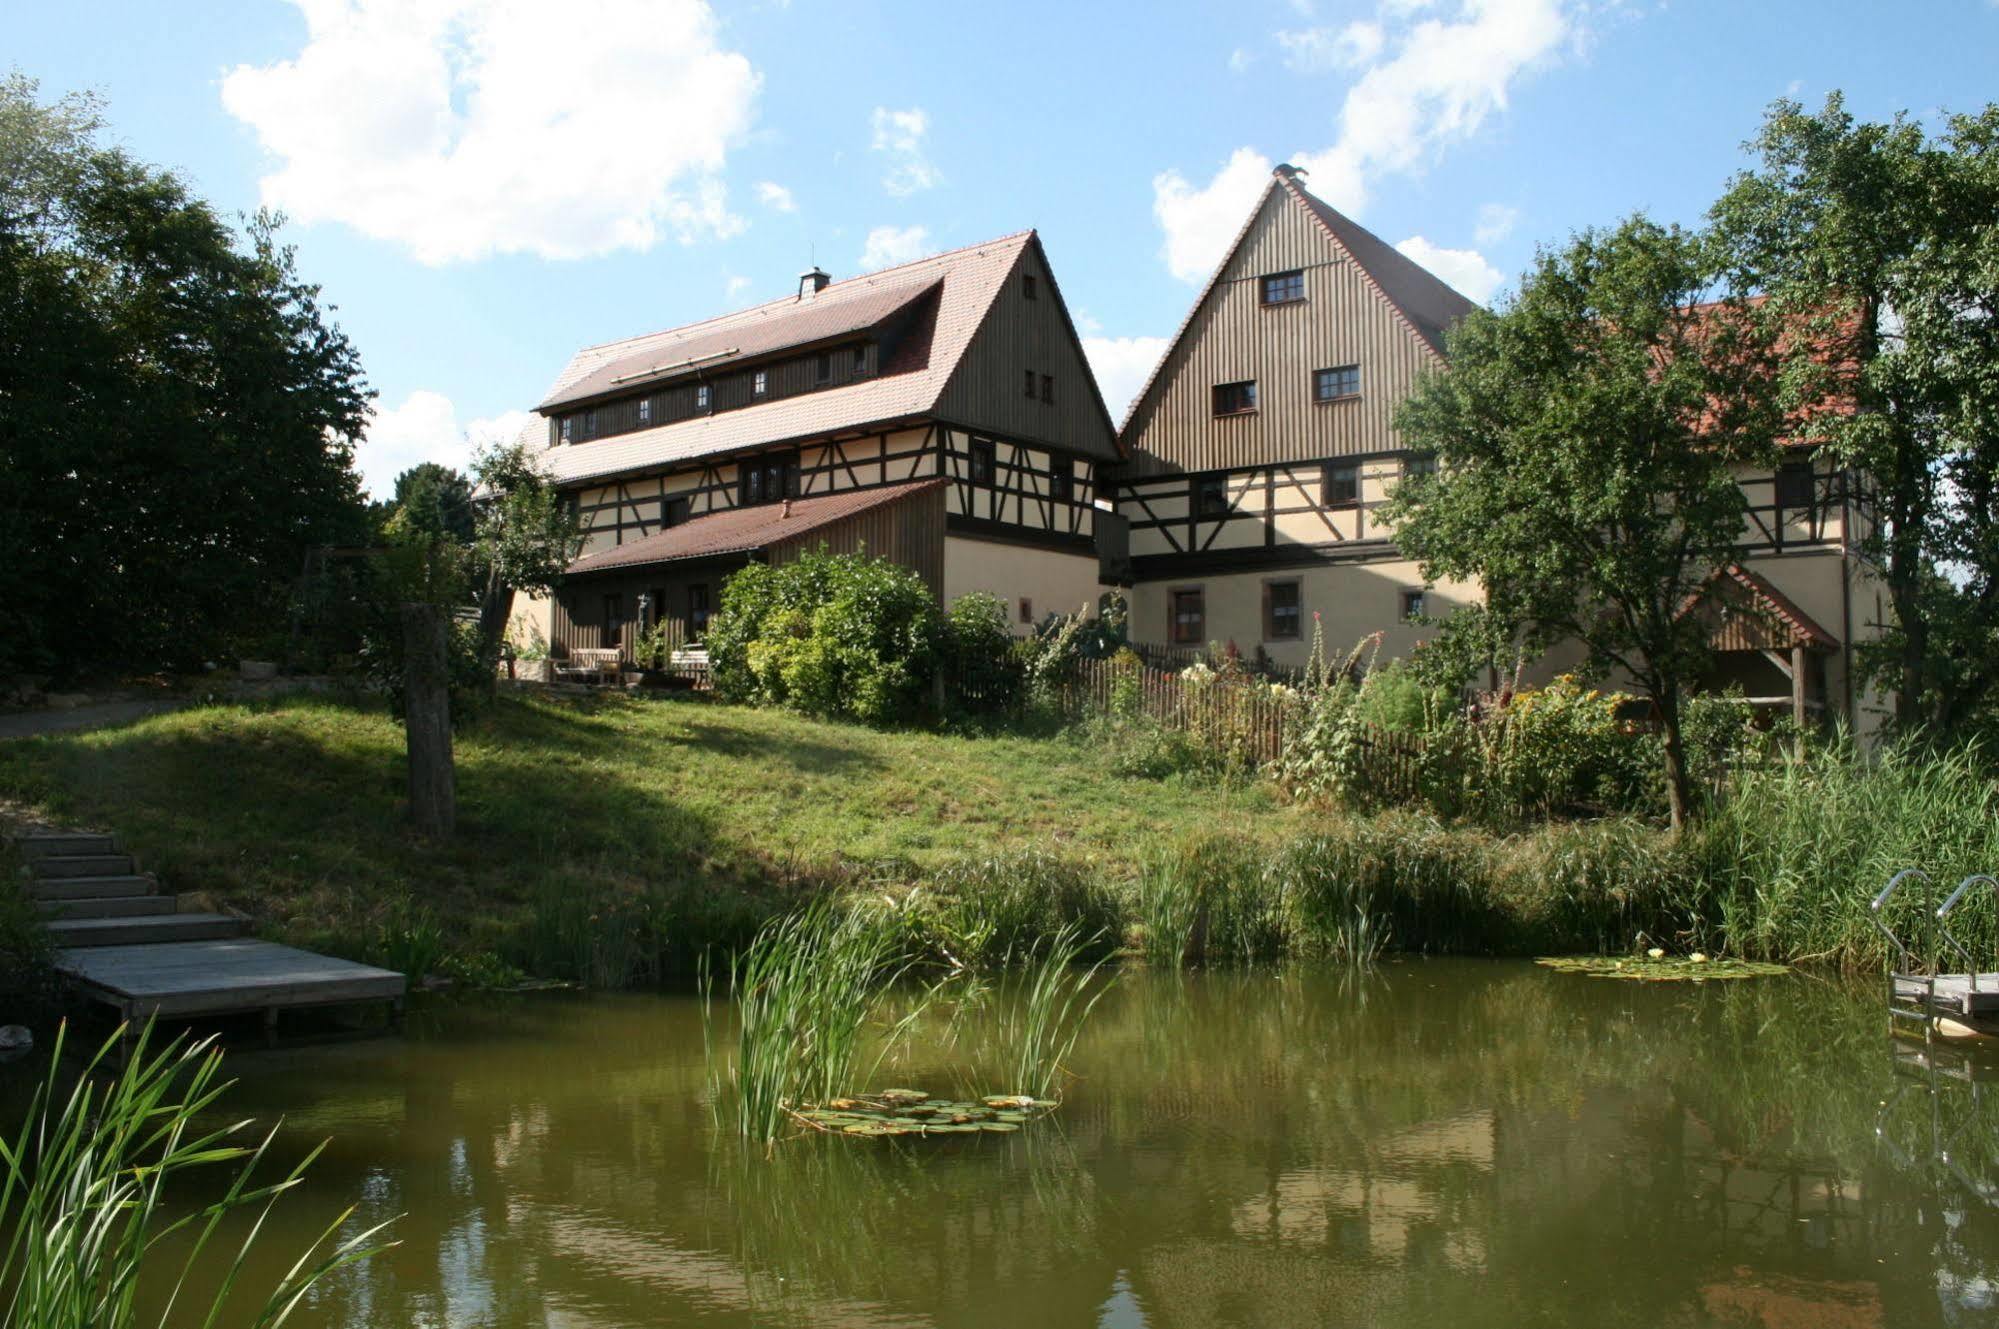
x=292 y=811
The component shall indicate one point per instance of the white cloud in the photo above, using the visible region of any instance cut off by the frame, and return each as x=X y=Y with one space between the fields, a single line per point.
x=1495 y=222
x=425 y=428
x=890 y=245
x=1445 y=78
x=464 y=128
x=1464 y=269
x=737 y=285
x=1425 y=82
x=775 y=196
x=1312 y=49
x=899 y=136
x=1240 y=59
x=1121 y=366
x=1199 y=223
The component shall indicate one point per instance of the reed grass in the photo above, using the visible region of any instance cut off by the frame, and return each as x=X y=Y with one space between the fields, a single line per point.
x=1030 y=1042
x=87 y=1183
x=805 y=989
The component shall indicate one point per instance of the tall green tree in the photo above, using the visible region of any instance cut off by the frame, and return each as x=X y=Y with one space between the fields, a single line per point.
x=1881 y=239
x=527 y=535
x=437 y=500
x=178 y=412
x=1587 y=436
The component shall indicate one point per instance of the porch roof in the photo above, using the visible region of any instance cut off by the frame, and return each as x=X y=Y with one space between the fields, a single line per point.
x=747 y=530
x=1772 y=618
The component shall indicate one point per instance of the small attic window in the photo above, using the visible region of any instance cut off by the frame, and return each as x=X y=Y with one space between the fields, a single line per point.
x=1027 y=286
x=760 y=385
x=567 y=422
x=1284 y=288
x=645 y=410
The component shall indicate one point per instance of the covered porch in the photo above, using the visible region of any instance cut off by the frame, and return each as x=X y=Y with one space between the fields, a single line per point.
x=1765 y=645
x=662 y=588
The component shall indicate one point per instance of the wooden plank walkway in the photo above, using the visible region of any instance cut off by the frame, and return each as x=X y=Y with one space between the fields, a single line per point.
x=1951 y=993
x=230 y=976
x=124 y=945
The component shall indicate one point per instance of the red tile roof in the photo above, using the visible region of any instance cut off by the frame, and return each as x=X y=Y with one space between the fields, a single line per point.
x=967 y=280
x=778 y=326
x=745 y=530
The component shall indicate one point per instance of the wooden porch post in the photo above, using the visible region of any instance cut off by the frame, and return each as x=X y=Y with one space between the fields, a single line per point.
x=1798 y=684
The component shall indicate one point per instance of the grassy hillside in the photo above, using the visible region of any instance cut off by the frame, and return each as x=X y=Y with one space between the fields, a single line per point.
x=579 y=814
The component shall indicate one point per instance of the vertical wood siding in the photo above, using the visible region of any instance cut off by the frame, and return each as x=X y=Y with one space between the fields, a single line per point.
x=1021 y=336
x=1234 y=337
x=909 y=532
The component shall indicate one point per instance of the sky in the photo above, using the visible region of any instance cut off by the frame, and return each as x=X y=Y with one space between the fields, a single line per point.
x=481 y=187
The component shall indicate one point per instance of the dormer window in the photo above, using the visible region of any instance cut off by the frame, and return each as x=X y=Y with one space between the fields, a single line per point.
x=645 y=410
x=589 y=424
x=825 y=374
x=701 y=397
x=860 y=361
x=1284 y=288
x=760 y=385
x=567 y=421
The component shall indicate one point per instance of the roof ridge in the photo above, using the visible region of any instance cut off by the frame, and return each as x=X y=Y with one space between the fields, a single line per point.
x=1326 y=215
x=793 y=299
x=1187 y=322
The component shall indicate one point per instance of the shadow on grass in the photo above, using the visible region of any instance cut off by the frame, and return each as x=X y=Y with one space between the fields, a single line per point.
x=297 y=816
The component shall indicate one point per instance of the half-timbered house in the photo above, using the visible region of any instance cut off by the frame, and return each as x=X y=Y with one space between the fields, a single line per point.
x=1260 y=450
x=939 y=413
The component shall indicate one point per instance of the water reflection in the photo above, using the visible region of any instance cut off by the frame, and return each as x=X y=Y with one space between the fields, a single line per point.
x=1481 y=1142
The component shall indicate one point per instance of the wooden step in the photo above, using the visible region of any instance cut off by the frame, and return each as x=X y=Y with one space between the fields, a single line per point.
x=92 y=888
x=60 y=844
x=108 y=906
x=84 y=865
x=141 y=931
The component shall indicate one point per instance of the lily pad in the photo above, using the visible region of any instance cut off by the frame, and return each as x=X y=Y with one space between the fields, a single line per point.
x=911 y=1112
x=1665 y=969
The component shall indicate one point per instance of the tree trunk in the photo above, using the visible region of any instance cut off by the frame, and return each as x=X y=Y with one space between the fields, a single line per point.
x=1679 y=789
x=427 y=720
x=496 y=606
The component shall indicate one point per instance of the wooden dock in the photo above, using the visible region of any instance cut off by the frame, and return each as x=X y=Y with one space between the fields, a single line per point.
x=231 y=976
x=124 y=945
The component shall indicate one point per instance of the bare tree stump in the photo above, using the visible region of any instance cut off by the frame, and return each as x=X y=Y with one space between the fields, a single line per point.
x=427 y=720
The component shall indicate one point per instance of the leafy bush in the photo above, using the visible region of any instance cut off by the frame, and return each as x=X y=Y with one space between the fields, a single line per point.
x=833 y=635
x=982 y=659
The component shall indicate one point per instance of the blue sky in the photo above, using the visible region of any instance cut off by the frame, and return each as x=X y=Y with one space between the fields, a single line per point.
x=481 y=186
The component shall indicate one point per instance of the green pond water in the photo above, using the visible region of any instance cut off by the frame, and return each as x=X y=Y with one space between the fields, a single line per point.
x=1436 y=1143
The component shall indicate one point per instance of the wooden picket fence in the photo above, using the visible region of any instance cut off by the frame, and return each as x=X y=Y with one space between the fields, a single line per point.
x=1244 y=716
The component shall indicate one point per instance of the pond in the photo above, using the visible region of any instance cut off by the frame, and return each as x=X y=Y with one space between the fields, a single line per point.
x=1434 y=1143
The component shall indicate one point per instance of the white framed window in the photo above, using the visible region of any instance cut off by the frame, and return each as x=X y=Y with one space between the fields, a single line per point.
x=760 y=385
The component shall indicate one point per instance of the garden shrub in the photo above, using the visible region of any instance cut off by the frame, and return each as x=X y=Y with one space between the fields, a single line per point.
x=832 y=635
x=982 y=658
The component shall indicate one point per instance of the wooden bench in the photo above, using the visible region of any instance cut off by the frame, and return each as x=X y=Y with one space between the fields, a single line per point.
x=603 y=665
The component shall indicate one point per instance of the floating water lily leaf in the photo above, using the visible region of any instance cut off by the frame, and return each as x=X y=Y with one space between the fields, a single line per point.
x=911 y=1112
x=1667 y=969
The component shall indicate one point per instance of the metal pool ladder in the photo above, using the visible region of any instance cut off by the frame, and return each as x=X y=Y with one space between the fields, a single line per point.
x=1920 y=988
